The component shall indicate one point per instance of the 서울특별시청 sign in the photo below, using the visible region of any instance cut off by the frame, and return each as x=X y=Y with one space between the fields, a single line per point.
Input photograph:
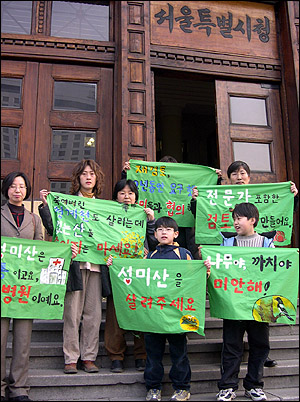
x=230 y=27
x=253 y=283
x=274 y=202
x=98 y=227
x=163 y=296
x=34 y=275
x=167 y=187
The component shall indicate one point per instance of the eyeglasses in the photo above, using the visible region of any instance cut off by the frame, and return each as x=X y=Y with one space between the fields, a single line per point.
x=160 y=230
x=14 y=187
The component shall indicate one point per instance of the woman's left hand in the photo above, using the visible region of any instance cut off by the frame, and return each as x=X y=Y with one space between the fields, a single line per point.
x=294 y=189
x=109 y=261
x=74 y=250
x=150 y=214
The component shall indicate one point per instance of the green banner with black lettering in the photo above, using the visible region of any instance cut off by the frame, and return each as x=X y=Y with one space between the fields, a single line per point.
x=163 y=296
x=253 y=283
x=34 y=275
x=167 y=187
x=98 y=227
x=274 y=202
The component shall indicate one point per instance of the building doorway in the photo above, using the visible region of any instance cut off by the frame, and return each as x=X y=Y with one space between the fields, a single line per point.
x=185 y=121
x=206 y=121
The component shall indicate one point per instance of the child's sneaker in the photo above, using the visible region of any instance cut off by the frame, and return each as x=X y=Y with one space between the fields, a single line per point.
x=180 y=395
x=256 y=394
x=226 y=395
x=153 y=395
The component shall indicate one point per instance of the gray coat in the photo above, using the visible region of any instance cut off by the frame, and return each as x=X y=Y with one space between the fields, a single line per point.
x=31 y=227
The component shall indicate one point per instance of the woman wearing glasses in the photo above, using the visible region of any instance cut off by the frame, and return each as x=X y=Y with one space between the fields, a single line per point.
x=17 y=221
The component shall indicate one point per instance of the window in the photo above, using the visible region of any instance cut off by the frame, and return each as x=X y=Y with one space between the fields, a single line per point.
x=11 y=92
x=77 y=96
x=64 y=148
x=16 y=17
x=80 y=20
x=68 y=19
x=256 y=155
x=9 y=142
x=250 y=111
x=60 y=187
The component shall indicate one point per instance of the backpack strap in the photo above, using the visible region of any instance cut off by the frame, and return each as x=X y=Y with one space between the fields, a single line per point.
x=154 y=252
x=182 y=254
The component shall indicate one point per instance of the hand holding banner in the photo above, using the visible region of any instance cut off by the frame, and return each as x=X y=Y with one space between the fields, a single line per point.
x=274 y=202
x=167 y=187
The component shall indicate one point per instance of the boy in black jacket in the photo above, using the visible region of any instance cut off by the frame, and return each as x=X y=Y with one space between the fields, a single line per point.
x=166 y=231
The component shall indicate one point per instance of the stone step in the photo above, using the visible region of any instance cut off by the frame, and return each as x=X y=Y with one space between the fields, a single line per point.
x=51 y=384
x=51 y=330
x=50 y=354
x=285 y=394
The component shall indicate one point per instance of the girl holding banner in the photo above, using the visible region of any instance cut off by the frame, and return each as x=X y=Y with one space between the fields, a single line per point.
x=86 y=302
x=17 y=221
x=126 y=192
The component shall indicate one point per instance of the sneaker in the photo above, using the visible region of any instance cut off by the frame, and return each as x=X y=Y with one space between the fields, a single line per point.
x=256 y=394
x=226 y=395
x=70 y=368
x=153 y=395
x=140 y=364
x=89 y=366
x=180 y=395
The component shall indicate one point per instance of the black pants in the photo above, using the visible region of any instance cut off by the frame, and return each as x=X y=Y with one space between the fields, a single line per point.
x=232 y=353
x=180 y=373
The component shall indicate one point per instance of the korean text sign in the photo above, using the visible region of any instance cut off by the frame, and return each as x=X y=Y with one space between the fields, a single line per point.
x=167 y=187
x=98 y=227
x=274 y=202
x=164 y=296
x=34 y=275
x=253 y=283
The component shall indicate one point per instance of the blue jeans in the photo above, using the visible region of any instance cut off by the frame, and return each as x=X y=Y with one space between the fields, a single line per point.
x=180 y=373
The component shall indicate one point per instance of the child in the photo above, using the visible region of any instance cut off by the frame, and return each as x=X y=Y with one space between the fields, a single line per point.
x=238 y=172
x=166 y=231
x=245 y=216
x=126 y=192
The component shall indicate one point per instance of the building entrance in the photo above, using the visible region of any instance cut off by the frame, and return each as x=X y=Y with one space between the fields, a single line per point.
x=185 y=118
x=212 y=122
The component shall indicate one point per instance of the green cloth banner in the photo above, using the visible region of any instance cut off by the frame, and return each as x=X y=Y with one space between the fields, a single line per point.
x=274 y=201
x=163 y=296
x=34 y=275
x=253 y=283
x=167 y=187
x=98 y=227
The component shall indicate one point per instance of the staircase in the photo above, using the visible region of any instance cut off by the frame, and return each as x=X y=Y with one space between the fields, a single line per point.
x=49 y=383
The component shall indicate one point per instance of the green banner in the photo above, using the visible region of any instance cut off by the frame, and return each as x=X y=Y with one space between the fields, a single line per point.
x=163 y=296
x=98 y=227
x=274 y=202
x=34 y=275
x=167 y=187
x=253 y=283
